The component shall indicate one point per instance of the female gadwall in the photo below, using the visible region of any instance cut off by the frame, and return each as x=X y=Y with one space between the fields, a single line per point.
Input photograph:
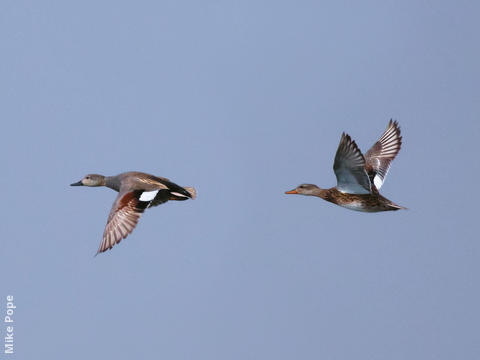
x=359 y=178
x=137 y=191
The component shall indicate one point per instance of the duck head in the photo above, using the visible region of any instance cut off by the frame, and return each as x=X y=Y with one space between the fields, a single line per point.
x=305 y=189
x=91 y=180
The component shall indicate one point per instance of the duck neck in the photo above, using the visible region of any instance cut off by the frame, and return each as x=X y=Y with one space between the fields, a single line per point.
x=112 y=182
x=321 y=193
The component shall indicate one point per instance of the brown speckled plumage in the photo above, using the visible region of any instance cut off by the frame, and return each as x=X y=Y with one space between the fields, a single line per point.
x=359 y=177
x=373 y=202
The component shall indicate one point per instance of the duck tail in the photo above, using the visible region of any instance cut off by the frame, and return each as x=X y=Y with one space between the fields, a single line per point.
x=397 y=207
x=191 y=191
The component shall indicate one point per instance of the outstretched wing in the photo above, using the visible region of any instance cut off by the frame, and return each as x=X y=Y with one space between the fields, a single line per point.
x=349 y=167
x=382 y=153
x=126 y=210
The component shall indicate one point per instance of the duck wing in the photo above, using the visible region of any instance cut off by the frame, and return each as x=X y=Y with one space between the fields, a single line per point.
x=382 y=153
x=176 y=192
x=126 y=210
x=349 y=167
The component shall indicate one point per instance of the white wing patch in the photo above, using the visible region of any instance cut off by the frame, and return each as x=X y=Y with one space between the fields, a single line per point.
x=148 y=195
x=377 y=180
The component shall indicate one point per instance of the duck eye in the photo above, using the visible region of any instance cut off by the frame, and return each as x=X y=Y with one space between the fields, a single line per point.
x=88 y=177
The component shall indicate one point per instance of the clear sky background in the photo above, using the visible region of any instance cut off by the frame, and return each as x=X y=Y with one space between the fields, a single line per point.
x=243 y=100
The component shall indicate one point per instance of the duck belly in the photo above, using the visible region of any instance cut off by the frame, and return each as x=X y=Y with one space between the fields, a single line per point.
x=361 y=202
x=359 y=206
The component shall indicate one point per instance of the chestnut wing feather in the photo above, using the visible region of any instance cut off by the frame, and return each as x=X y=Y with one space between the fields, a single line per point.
x=123 y=218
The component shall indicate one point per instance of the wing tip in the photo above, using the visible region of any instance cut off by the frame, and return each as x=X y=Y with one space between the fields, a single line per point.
x=394 y=124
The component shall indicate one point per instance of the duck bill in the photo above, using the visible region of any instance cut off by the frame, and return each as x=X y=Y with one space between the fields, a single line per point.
x=291 y=192
x=79 y=183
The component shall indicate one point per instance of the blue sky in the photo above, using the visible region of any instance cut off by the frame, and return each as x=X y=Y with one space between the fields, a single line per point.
x=243 y=100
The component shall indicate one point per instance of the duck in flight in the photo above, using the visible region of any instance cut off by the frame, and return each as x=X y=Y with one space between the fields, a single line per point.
x=360 y=177
x=137 y=191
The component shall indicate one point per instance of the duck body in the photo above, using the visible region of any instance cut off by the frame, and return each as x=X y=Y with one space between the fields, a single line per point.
x=360 y=177
x=360 y=202
x=137 y=191
x=139 y=181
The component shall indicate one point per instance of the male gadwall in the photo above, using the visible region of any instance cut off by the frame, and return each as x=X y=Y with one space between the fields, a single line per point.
x=359 y=178
x=137 y=191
